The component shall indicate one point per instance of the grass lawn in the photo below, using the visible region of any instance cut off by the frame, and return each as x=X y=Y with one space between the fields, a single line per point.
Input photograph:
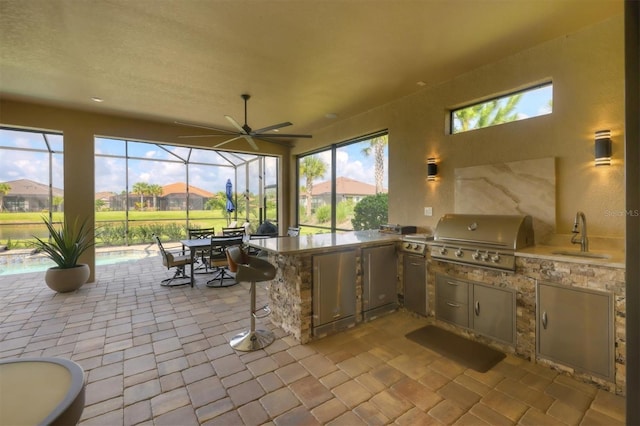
x=112 y=216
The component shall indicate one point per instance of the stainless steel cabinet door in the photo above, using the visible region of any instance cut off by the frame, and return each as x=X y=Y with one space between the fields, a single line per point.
x=575 y=327
x=414 y=275
x=493 y=312
x=380 y=274
x=334 y=287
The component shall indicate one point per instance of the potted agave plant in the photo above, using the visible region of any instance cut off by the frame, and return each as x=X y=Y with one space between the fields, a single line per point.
x=64 y=247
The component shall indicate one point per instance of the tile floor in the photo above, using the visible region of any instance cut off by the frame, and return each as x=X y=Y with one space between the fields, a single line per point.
x=156 y=355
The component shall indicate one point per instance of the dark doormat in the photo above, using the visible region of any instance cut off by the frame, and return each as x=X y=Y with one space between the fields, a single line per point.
x=464 y=351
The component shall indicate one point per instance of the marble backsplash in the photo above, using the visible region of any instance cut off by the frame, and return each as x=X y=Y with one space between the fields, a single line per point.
x=519 y=187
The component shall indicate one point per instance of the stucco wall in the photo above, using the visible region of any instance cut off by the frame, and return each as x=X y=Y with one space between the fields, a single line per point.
x=587 y=72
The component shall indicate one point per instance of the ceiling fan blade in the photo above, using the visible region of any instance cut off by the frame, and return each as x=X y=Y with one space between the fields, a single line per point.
x=273 y=127
x=235 y=124
x=227 y=141
x=286 y=135
x=251 y=142
x=204 y=136
x=269 y=140
x=205 y=127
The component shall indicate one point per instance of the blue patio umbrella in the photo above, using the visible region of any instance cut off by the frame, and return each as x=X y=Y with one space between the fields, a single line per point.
x=230 y=206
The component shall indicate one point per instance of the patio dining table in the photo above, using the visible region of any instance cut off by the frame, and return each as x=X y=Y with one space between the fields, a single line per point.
x=202 y=243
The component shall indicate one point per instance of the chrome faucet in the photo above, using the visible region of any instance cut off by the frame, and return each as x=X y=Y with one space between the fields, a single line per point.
x=584 y=241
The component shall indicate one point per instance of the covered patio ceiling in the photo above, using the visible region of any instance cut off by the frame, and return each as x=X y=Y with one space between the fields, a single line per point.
x=300 y=60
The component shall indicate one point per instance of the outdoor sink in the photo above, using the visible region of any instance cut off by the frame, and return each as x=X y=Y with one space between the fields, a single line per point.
x=578 y=253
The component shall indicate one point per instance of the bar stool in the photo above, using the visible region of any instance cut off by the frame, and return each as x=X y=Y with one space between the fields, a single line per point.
x=251 y=269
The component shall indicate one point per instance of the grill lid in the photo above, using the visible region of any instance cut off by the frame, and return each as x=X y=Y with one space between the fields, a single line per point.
x=510 y=232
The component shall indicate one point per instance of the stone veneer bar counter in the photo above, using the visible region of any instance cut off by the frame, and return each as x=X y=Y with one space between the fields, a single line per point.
x=290 y=292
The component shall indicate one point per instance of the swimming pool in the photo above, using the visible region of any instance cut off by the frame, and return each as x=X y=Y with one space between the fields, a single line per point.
x=21 y=263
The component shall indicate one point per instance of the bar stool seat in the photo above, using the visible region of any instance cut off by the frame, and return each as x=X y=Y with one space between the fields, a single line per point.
x=251 y=269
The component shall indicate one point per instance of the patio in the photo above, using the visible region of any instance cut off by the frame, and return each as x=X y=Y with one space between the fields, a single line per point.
x=157 y=355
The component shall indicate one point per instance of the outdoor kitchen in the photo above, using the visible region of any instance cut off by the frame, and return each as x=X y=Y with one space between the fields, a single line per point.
x=498 y=277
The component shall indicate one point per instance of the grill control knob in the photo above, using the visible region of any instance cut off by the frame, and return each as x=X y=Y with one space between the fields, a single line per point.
x=485 y=257
x=459 y=253
x=408 y=246
x=476 y=255
x=443 y=251
x=495 y=258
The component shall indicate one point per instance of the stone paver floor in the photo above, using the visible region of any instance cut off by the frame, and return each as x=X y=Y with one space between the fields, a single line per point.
x=161 y=356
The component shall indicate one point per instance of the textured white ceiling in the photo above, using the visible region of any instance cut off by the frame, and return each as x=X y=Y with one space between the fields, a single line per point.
x=190 y=60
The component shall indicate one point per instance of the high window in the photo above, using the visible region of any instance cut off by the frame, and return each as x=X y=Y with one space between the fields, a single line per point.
x=336 y=184
x=520 y=105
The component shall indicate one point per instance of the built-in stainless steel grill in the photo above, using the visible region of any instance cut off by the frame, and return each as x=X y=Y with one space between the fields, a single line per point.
x=489 y=241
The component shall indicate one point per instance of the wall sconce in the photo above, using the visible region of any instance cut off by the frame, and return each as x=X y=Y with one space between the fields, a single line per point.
x=432 y=169
x=603 y=148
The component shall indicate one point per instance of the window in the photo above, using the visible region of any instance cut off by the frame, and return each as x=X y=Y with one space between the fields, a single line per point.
x=333 y=182
x=144 y=188
x=31 y=184
x=520 y=105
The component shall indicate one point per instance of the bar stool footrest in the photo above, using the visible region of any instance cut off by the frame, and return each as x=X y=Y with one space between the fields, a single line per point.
x=266 y=312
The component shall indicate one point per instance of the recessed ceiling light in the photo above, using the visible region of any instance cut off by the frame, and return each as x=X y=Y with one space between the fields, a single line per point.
x=97 y=99
x=331 y=115
x=421 y=83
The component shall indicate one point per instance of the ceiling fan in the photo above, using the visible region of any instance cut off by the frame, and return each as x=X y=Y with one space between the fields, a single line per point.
x=245 y=131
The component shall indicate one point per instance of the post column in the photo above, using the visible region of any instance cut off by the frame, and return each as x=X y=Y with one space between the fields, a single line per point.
x=79 y=182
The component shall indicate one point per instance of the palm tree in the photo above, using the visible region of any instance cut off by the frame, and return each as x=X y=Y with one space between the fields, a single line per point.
x=377 y=145
x=4 y=190
x=57 y=202
x=141 y=188
x=311 y=167
x=486 y=114
x=155 y=190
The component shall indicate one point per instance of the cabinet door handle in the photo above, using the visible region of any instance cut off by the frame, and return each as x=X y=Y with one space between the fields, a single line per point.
x=477 y=308
x=453 y=305
x=544 y=320
x=452 y=283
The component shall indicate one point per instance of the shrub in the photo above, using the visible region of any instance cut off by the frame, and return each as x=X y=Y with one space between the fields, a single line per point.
x=323 y=213
x=344 y=209
x=371 y=212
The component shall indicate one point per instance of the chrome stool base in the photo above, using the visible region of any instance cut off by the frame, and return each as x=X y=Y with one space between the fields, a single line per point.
x=252 y=340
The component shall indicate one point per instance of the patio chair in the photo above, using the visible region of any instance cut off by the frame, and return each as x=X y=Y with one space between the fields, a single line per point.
x=218 y=260
x=293 y=231
x=203 y=254
x=173 y=260
x=232 y=232
x=252 y=251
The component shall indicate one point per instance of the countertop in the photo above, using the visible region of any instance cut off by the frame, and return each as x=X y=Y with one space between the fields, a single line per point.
x=323 y=242
x=614 y=258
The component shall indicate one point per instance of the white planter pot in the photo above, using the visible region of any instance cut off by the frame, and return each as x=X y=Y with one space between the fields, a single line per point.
x=65 y=280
